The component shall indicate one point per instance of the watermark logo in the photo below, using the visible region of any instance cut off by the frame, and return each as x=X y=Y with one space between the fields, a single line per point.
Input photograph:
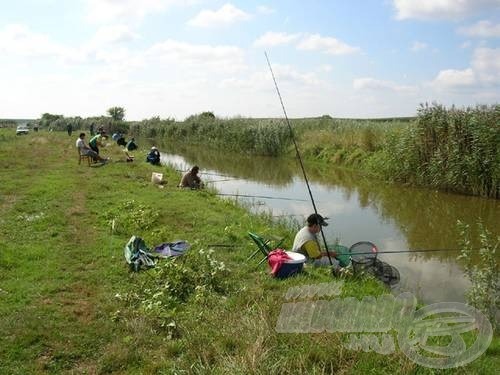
x=432 y=336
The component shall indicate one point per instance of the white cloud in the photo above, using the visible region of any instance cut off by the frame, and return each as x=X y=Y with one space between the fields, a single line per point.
x=113 y=34
x=466 y=44
x=19 y=40
x=483 y=73
x=326 y=68
x=223 y=58
x=486 y=64
x=228 y=14
x=441 y=9
x=452 y=79
x=262 y=80
x=482 y=29
x=327 y=45
x=271 y=39
x=380 y=85
x=418 y=46
x=286 y=73
x=264 y=9
x=122 y=11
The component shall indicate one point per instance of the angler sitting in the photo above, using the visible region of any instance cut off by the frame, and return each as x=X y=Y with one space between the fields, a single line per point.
x=154 y=156
x=86 y=150
x=191 y=179
x=306 y=242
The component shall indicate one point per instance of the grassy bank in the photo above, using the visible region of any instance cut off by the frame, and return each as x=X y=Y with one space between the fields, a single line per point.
x=69 y=304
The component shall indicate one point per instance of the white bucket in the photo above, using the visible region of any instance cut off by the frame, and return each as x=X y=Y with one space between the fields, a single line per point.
x=157 y=178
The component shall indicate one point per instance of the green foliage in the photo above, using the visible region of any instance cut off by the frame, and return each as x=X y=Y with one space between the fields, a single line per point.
x=116 y=113
x=132 y=217
x=7 y=123
x=61 y=268
x=261 y=137
x=49 y=121
x=484 y=276
x=451 y=149
x=196 y=275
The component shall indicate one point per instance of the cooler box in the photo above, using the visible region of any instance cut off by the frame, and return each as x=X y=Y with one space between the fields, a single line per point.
x=291 y=266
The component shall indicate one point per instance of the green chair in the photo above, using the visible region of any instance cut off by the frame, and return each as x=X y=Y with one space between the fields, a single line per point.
x=264 y=245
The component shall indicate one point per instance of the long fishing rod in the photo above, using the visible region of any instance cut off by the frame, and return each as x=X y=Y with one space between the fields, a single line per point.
x=405 y=251
x=226 y=179
x=260 y=196
x=210 y=174
x=368 y=253
x=299 y=157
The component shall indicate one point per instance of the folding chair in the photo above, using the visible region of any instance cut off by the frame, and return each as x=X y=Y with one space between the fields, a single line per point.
x=264 y=245
x=83 y=157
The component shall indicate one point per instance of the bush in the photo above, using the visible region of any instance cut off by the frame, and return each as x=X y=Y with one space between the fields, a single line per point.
x=484 y=276
x=175 y=281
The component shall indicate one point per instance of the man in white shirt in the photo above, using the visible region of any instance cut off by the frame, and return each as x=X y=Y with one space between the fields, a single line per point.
x=306 y=242
x=86 y=150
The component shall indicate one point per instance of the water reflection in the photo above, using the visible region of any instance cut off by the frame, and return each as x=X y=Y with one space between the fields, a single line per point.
x=278 y=172
x=394 y=217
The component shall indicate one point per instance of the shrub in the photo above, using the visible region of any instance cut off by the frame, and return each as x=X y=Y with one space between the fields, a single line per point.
x=484 y=276
x=173 y=282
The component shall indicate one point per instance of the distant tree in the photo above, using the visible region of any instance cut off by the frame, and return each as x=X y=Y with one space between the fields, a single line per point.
x=117 y=113
x=48 y=119
x=207 y=115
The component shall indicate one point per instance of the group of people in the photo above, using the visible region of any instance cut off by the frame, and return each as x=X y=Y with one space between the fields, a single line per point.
x=87 y=150
x=305 y=241
x=98 y=140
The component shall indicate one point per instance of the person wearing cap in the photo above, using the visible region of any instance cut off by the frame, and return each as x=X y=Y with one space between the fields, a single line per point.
x=191 y=179
x=306 y=241
x=154 y=156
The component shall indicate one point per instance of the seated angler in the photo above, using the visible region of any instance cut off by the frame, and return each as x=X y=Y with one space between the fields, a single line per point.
x=191 y=179
x=86 y=150
x=154 y=156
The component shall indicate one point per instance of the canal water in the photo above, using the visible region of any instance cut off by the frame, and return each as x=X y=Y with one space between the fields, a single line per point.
x=392 y=216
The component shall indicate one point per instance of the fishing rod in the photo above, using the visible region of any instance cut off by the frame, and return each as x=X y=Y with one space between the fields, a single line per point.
x=405 y=251
x=299 y=158
x=260 y=196
x=226 y=179
x=210 y=174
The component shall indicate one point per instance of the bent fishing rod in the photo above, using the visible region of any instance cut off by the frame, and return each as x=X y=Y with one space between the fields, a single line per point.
x=299 y=158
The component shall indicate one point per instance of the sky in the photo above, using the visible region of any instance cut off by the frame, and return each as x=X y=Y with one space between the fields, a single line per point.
x=173 y=58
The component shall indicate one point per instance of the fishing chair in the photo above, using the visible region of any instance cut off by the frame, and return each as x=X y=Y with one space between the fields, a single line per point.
x=265 y=246
x=83 y=157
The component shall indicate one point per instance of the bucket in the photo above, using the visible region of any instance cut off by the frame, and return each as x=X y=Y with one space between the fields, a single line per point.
x=157 y=178
x=291 y=266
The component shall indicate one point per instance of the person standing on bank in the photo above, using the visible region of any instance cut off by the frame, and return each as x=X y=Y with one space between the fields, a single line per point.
x=306 y=242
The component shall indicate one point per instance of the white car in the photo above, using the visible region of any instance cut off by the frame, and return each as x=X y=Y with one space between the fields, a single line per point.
x=22 y=129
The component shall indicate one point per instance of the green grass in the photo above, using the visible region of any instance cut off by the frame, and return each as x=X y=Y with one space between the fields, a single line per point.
x=69 y=304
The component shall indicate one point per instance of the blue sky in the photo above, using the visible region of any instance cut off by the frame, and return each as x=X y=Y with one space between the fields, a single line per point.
x=173 y=58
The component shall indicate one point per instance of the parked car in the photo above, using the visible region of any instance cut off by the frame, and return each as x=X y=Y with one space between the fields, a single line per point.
x=22 y=129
